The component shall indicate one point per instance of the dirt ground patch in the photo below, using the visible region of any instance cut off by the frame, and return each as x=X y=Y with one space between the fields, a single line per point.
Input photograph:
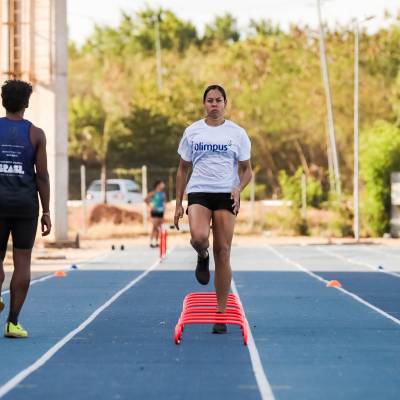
x=258 y=219
x=114 y=215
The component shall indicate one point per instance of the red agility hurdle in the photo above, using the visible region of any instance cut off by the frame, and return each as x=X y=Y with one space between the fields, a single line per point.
x=201 y=308
x=163 y=243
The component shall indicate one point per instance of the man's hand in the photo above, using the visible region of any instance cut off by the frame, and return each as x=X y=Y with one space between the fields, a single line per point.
x=179 y=211
x=46 y=224
x=235 y=196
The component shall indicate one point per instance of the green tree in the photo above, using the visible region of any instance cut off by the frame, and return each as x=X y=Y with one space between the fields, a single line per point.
x=396 y=99
x=137 y=34
x=174 y=33
x=223 y=29
x=150 y=139
x=379 y=156
x=272 y=78
x=264 y=28
x=90 y=131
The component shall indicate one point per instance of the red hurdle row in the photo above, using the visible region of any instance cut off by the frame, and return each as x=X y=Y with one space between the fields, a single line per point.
x=201 y=308
x=163 y=243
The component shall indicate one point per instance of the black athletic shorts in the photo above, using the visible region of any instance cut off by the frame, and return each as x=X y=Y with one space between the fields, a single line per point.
x=212 y=201
x=23 y=232
x=157 y=214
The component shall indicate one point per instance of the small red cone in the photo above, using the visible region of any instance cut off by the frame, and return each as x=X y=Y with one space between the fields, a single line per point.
x=334 y=283
x=60 y=273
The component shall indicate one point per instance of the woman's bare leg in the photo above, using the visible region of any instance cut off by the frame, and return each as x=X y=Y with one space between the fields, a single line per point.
x=223 y=226
x=199 y=223
x=157 y=222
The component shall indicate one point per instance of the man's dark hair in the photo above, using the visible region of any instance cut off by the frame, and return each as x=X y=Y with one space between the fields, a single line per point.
x=214 y=87
x=15 y=95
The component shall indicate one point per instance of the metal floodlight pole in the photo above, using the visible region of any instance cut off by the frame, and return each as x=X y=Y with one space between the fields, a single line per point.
x=356 y=221
x=330 y=163
x=83 y=197
x=356 y=174
x=252 y=199
x=329 y=106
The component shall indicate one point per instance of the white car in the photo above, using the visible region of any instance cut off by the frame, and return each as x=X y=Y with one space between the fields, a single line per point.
x=119 y=191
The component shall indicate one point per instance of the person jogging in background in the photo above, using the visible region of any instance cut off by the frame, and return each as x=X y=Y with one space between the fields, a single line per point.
x=156 y=199
x=218 y=151
x=23 y=173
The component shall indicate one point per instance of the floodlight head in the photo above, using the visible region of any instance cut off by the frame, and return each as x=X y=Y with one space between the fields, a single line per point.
x=355 y=20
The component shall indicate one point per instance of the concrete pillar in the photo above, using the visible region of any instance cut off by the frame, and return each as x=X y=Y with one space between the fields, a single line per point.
x=44 y=48
x=49 y=111
x=395 y=207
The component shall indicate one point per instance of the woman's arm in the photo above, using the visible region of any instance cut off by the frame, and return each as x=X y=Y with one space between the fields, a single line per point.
x=245 y=174
x=148 y=197
x=181 y=180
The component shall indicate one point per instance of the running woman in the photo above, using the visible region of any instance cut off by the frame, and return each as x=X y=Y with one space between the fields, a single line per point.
x=23 y=172
x=218 y=151
x=156 y=199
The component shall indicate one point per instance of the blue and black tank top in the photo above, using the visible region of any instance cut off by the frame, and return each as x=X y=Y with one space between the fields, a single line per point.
x=18 y=189
x=158 y=201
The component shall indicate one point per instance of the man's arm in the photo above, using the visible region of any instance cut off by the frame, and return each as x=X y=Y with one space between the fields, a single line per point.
x=181 y=180
x=42 y=179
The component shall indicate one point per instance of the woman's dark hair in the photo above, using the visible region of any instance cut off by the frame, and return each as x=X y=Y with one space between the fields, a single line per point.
x=156 y=183
x=214 y=87
x=15 y=95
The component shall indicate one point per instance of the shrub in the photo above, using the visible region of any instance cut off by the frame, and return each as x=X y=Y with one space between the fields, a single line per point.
x=260 y=192
x=341 y=222
x=291 y=189
x=379 y=156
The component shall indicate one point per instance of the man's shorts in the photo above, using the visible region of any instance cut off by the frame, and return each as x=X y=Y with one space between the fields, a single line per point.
x=157 y=214
x=212 y=201
x=23 y=232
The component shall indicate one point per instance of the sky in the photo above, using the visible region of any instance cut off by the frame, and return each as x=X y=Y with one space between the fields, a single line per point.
x=84 y=14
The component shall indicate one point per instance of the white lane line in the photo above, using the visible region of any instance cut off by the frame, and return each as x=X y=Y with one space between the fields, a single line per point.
x=259 y=373
x=352 y=295
x=13 y=382
x=356 y=262
x=91 y=260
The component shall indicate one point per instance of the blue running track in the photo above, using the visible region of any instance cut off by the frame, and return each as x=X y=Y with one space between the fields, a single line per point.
x=314 y=342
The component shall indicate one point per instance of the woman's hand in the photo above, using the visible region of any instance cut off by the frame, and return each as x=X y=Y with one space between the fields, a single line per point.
x=235 y=196
x=179 y=211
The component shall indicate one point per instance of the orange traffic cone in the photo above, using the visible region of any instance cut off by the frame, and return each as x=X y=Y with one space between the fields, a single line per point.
x=334 y=283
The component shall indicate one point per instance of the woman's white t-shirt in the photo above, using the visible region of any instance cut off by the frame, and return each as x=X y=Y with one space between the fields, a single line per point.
x=214 y=152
